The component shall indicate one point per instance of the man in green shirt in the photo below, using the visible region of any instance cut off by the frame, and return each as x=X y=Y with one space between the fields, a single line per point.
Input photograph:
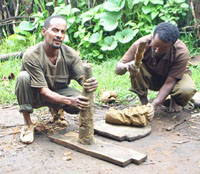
x=47 y=69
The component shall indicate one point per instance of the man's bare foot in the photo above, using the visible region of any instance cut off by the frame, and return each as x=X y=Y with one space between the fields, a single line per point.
x=58 y=117
x=27 y=134
x=173 y=106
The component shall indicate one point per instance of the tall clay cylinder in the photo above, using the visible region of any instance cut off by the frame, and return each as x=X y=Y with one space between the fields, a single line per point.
x=86 y=122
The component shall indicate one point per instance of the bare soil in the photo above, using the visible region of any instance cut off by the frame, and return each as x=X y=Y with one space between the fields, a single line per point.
x=169 y=150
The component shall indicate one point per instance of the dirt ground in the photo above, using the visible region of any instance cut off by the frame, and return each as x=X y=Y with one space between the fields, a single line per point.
x=175 y=151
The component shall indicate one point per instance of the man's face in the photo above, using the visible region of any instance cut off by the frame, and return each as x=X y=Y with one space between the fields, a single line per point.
x=159 y=48
x=55 y=33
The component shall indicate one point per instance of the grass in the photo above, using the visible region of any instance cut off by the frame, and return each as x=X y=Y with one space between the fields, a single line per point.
x=107 y=79
x=104 y=73
x=7 y=87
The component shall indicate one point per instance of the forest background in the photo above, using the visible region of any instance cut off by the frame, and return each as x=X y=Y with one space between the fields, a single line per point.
x=101 y=30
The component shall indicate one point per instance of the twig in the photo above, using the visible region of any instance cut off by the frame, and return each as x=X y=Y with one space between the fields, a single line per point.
x=193 y=13
x=175 y=125
x=16 y=17
x=7 y=56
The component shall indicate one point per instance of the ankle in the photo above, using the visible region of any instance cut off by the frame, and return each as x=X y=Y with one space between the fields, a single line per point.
x=143 y=100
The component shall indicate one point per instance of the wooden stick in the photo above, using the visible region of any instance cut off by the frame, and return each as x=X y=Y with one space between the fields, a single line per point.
x=7 y=56
x=139 y=54
x=86 y=123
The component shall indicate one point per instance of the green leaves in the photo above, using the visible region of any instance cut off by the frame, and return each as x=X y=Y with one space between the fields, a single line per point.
x=109 y=20
x=26 y=25
x=148 y=9
x=109 y=43
x=114 y=5
x=126 y=35
x=107 y=25
x=95 y=37
x=157 y=2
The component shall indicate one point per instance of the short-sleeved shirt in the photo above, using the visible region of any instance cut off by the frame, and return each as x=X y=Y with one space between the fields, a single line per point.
x=173 y=63
x=45 y=74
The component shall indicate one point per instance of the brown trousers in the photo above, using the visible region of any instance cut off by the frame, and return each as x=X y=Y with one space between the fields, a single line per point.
x=182 y=92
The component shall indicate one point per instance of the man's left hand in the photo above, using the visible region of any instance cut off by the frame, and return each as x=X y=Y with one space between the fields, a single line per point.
x=90 y=85
x=151 y=112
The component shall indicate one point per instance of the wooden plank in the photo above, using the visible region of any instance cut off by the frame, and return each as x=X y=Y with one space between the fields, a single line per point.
x=106 y=151
x=120 y=132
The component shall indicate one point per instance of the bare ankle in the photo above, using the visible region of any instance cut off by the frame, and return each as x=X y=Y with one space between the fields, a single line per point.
x=27 y=119
x=143 y=99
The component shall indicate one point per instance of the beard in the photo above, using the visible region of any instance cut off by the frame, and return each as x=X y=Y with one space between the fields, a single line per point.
x=157 y=55
x=56 y=46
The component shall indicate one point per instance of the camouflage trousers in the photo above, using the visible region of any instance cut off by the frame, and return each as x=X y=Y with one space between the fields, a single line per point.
x=30 y=98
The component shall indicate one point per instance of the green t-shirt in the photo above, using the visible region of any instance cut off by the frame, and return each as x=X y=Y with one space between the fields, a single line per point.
x=44 y=74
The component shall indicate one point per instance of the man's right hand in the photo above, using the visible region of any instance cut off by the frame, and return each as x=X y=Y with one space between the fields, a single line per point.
x=80 y=102
x=132 y=68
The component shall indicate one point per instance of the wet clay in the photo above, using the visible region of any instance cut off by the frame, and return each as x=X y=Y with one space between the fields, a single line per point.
x=86 y=123
x=108 y=96
x=135 y=116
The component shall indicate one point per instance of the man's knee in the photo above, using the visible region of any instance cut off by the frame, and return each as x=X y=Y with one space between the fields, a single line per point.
x=184 y=95
x=23 y=76
x=187 y=92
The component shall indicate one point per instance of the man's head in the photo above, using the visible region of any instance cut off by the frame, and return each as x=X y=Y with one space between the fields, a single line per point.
x=164 y=36
x=54 y=31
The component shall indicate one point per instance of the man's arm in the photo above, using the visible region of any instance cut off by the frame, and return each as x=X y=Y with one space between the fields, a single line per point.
x=131 y=61
x=164 y=91
x=80 y=102
x=121 y=68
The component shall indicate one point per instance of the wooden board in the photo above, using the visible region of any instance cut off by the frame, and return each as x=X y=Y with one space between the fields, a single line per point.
x=120 y=133
x=106 y=151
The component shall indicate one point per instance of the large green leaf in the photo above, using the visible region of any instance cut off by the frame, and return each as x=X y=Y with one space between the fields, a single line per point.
x=109 y=20
x=109 y=43
x=185 y=5
x=62 y=10
x=95 y=37
x=147 y=9
x=126 y=35
x=114 y=5
x=136 y=1
x=154 y=14
x=157 y=1
x=70 y=21
x=26 y=25
x=88 y=15
x=146 y=2
x=130 y=4
x=180 y=1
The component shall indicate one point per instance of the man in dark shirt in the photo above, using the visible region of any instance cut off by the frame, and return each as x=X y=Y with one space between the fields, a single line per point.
x=163 y=68
x=47 y=69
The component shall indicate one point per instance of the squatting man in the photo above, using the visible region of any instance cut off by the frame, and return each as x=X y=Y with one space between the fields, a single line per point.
x=47 y=69
x=163 y=68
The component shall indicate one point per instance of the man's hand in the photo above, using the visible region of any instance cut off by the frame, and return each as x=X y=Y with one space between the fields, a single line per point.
x=80 y=102
x=90 y=85
x=151 y=112
x=132 y=68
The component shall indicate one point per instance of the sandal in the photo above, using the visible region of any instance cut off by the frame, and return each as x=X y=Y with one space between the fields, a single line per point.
x=27 y=134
